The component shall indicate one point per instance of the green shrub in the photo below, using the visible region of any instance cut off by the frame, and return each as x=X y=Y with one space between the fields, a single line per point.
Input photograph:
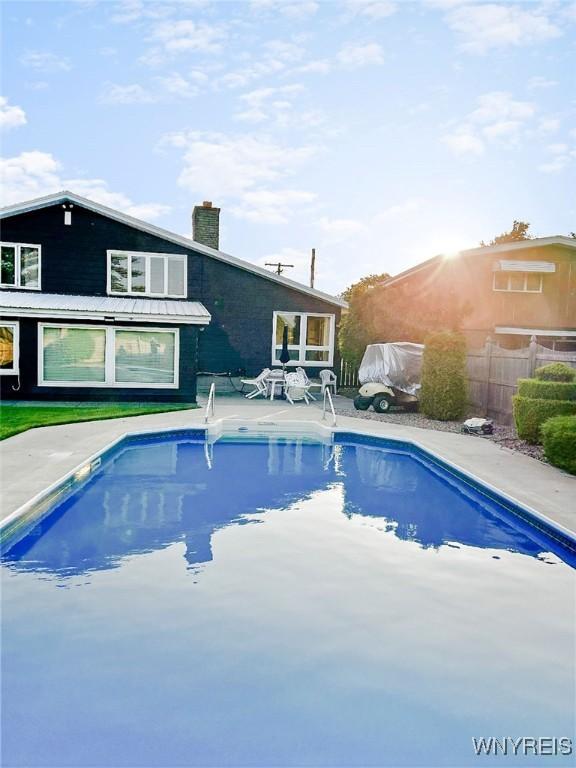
x=559 y=439
x=530 y=413
x=547 y=390
x=555 y=372
x=443 y=393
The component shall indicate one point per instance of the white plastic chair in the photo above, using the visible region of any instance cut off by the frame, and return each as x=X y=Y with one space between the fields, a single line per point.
x=328 y=380
x=309 y=383
x=296 y=388
x=259 y=384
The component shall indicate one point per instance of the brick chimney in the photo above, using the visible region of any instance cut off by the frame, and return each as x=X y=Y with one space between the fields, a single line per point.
x=206 y=224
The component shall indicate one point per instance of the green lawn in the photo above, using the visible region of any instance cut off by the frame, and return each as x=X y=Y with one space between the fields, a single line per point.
x=19 y=418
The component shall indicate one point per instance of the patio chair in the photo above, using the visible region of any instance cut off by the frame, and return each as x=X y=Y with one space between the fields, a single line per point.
x=310 y=384
x=259 y=384
x=328 y=380
x=296 y=388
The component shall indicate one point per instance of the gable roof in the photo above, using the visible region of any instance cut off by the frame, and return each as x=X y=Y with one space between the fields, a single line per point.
x=91 y=205
x=486 y=250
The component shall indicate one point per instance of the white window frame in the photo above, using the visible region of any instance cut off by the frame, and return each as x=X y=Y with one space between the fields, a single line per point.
x=17 y=265
x=302 y=347
x=516 y=290
x=15 y=370
x=109 y=358
x=146 y=255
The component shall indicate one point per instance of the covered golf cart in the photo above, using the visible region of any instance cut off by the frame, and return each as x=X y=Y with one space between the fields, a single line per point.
x=390 y=375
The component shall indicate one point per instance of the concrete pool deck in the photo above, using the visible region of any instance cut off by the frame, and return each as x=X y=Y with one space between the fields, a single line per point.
x=34 y=460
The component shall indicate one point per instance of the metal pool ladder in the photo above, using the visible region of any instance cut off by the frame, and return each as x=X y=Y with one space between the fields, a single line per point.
x=210 y=404
x=328 y=399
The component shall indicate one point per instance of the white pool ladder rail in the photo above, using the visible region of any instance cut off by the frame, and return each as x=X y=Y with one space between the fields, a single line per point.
x=210 y=404
x=328 y=399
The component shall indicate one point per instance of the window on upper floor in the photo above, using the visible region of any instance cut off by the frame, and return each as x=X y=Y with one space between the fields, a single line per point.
x=20 y=265
x=518 y=282
x=147 y=274
x=310 y=338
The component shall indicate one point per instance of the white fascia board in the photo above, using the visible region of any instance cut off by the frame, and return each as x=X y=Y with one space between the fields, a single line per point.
x=185 y=242
x=534 y=331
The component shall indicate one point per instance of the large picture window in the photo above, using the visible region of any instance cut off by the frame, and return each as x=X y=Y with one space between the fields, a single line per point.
x=20 y=265
x=72 y=355
x=9 y=348
x=310 y=338
x=147 y=274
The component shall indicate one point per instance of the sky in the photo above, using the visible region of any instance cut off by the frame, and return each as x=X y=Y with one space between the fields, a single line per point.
x=380 y=132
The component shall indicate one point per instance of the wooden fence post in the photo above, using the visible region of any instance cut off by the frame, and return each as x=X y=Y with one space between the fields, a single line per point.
x=487 y=371
x=532 y=352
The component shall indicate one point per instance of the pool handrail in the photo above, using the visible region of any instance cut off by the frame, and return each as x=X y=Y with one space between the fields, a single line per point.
x=328 y=397
x=210 y=404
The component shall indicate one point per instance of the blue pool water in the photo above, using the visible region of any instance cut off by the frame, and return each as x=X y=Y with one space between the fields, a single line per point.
x=282 y=603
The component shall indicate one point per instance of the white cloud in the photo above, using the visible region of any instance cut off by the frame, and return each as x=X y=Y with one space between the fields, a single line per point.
x=186 y=35
x=265 y=104
x=497 y=117
x=175 y=84
x=483 y=27
x=248 y=172
x=539 y=81
x=338 y=230
x=355 y=55
x=372 y=9
x=463 y=142
x=271 y=206
x=11 y=116
x=42 y=61
x=296 y=10
x=125 y=94
x=562 y=157
x=33 y=174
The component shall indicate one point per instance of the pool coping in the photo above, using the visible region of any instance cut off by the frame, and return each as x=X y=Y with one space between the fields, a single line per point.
x=17 y=523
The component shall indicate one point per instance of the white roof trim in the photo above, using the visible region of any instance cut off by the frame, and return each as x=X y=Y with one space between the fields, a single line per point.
x=56 y=305
x=65 y=195
x=524 y=266
x=536 y=242
x=534 y=331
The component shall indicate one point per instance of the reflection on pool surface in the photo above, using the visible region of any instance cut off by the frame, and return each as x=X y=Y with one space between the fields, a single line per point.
x=282 y=603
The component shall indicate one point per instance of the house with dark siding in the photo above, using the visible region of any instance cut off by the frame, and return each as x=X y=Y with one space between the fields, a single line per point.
x=97 y=305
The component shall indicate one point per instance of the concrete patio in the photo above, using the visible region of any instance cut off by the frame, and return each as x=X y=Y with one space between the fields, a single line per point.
x=34 y=460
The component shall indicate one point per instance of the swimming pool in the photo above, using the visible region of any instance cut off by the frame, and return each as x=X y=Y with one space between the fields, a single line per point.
x=282 y=602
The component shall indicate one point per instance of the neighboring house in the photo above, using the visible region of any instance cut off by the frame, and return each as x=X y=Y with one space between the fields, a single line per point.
x=97 y=305
x=511 y=291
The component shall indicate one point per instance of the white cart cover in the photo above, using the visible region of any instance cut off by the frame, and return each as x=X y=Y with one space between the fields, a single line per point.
x=397 y=364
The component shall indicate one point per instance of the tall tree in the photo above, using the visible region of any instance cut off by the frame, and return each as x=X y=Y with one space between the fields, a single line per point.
x=519 y=231
x=356 y=326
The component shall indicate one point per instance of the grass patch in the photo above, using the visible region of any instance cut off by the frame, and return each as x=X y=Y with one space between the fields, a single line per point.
x=18 y=418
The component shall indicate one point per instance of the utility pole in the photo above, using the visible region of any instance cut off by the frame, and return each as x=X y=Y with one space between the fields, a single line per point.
x=312 y=267
x=278 y=265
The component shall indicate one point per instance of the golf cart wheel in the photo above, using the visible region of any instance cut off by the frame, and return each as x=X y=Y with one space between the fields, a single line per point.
x=381 y=404
x=362 y=403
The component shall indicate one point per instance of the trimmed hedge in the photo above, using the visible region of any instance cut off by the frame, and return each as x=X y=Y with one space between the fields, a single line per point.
x=559 y=439
x=530 y=413
x=547 y=390
x=443 y=395
x=555 y=372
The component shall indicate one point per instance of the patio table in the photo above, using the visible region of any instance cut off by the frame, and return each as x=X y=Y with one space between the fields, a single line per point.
x=273 y=380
